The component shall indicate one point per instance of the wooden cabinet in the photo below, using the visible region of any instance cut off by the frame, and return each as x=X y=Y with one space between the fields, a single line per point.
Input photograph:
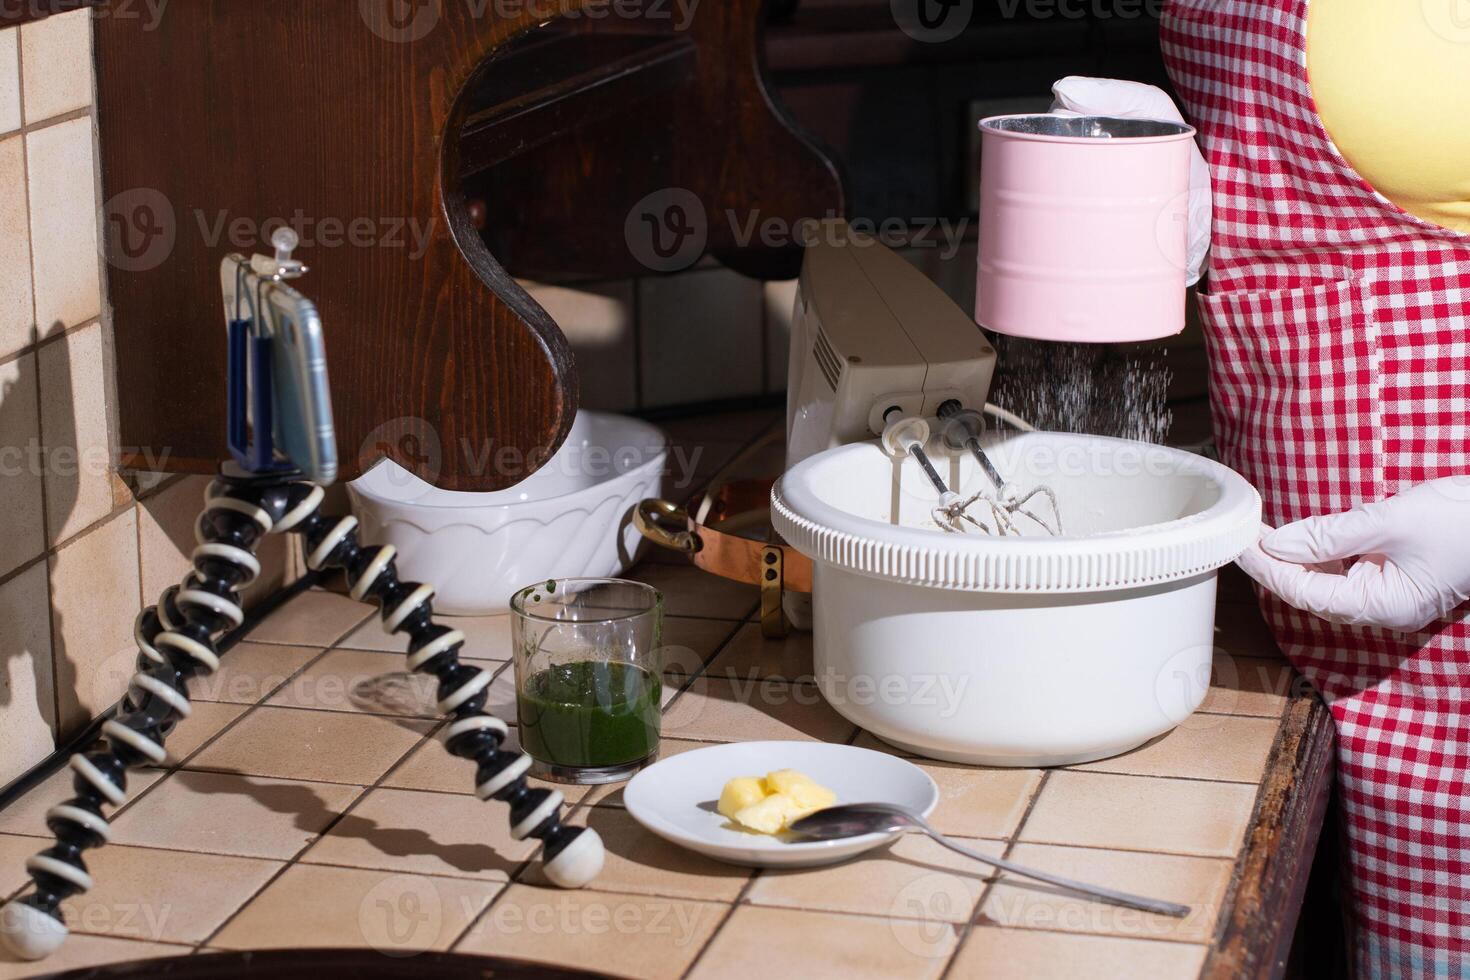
x=427 y=153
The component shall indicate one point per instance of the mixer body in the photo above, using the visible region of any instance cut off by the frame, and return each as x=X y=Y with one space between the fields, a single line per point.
x=870 y=333
x=1001 y=679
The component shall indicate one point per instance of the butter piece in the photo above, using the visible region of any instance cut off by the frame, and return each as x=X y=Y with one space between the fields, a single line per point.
x=770 y=815
x=740 y=793
x=770 y=805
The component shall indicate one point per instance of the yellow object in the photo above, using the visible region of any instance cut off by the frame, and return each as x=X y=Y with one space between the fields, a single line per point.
x=740 y=793
x=770 y=805
x=771 y=815
x=1391 y=80
x=803 y=791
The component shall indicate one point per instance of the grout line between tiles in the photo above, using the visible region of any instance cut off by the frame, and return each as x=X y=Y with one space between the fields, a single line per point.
x=295 y=858
x=741 y=898
x=513 y=877
x=969 y=925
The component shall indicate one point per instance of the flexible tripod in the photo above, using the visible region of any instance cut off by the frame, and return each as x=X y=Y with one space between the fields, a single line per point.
x=176 y=640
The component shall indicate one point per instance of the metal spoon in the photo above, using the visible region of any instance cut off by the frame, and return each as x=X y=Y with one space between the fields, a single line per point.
x=853 y=819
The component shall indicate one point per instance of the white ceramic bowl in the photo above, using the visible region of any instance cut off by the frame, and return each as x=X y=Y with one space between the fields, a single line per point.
x=675 y=798
x=571 y=518
x=1017 y=651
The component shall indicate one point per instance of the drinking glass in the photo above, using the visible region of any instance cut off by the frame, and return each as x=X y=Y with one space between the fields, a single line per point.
x=588 y=677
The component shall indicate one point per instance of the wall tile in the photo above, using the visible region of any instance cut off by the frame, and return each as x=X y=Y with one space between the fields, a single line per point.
x=56 y=59
x=599 y=322
x=166 y=534
x=700 y=335
x=27 y=684
x=64 y=224
x=15 y=248
x=780 y=302
x=166 y=543
x=74 y=430
x=94 y=600
x=21 y=526
x=9 y=80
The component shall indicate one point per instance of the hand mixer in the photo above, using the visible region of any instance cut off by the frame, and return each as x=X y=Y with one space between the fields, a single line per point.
x=879 y=350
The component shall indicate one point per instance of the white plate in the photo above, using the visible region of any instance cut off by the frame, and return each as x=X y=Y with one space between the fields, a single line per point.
x=675 y=798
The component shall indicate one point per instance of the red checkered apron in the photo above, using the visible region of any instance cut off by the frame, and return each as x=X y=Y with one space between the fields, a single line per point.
x=1339 y=333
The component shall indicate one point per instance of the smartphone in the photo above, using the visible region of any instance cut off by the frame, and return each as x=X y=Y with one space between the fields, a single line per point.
x=303 y=418
x=302 y=427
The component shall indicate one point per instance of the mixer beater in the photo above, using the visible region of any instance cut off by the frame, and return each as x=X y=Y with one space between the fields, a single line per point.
x=905 y=435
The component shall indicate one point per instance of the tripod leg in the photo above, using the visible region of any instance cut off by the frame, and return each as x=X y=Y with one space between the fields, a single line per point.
x=573 y=855
x=176 y=641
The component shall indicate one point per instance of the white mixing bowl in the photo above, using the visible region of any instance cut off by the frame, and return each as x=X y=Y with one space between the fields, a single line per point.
x=1017 y=651
x=571 y=518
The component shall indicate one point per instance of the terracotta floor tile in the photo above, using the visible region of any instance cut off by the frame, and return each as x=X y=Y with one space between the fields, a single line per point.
x=425 y=833
x=639 y=936
x=206 y=720
x=750 y=656
x=688 y=591
x=311 y=906
x=738 y=711
x=1141 y=813
x=1203 y=747
x=914 y=878
x=1197 y=882
x=329 y=746
x=164 y=896
x=769 y=943
x=27 y=815
x=980 y=802
x=314 y=618
x=83 y=951
x=222 y=813
x=867 y=740
x=1055 y=956
x=641 y=863
x=361 y=681
x=500 y=697
x=611 y=794
x=486 y=637
x=690 y=643
x=251 y=671
x=431 y=767
x=13 y=853
x=1251 y=686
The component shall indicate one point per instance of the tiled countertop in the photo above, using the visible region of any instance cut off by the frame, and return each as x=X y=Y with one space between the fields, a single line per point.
x=290 y=815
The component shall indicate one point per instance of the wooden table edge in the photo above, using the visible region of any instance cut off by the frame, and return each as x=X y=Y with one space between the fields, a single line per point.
x=1267 y=888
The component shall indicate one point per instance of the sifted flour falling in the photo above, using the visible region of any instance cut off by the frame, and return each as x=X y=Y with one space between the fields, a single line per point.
x=1101 y=389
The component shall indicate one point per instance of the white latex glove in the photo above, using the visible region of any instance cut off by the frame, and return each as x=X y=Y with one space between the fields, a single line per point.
x=1077 y=95
x=1413 y=564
